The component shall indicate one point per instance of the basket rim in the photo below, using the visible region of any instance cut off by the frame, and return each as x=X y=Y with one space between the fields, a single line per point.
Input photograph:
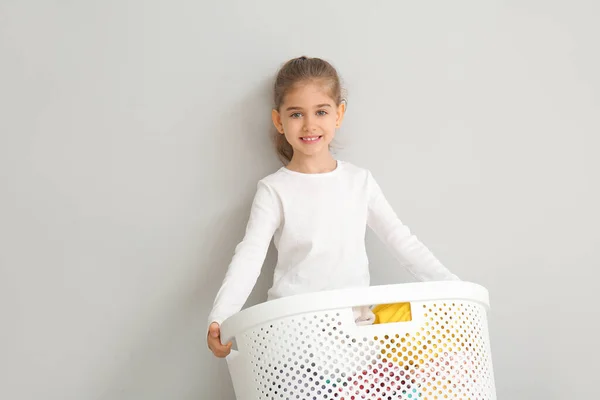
x=352 y=297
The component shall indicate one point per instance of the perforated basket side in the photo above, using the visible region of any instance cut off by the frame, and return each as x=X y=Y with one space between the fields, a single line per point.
x=322 y=355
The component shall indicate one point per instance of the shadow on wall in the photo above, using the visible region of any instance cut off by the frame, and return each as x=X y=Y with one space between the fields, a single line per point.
x=167 y=353
x=248 y=154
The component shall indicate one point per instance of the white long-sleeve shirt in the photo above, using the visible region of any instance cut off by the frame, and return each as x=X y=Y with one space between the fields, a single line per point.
x=318 y=222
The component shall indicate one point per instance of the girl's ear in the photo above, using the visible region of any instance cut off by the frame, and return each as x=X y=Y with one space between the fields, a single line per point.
x=341 y=111
x=276 y=117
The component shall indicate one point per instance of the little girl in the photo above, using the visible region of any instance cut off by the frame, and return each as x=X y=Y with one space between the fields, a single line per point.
x=316 y=207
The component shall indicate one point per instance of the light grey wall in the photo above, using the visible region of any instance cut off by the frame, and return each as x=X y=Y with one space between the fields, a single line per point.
x=132 y=135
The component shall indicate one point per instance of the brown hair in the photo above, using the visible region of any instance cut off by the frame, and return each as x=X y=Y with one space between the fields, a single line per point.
x=297 y=70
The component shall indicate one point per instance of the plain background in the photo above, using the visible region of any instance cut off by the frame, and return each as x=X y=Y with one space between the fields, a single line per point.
x=132 y=135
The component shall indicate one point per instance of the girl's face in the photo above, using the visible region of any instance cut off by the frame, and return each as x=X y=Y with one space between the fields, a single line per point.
x=308 y=117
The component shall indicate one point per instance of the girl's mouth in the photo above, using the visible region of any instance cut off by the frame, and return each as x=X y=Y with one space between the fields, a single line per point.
x=311 y=139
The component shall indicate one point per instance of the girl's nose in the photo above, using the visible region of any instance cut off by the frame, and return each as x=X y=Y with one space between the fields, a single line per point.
x=308 y=124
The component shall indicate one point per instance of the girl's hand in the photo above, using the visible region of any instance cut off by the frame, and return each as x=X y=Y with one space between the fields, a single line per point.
x=214 y=341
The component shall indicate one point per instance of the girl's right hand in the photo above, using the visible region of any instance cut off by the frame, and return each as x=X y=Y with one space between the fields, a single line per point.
x=214 y=341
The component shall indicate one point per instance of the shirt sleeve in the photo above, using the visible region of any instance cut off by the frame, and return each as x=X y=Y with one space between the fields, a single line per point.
x=249 y=256
x=406 y=248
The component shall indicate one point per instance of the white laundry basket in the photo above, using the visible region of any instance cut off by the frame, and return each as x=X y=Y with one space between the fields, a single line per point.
x=308 y=347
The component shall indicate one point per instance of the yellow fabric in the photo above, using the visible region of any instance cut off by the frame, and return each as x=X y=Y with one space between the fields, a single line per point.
x=386 y=313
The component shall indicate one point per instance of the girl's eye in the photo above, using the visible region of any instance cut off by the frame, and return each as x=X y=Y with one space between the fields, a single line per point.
x=321 y=112
x=296 y=115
